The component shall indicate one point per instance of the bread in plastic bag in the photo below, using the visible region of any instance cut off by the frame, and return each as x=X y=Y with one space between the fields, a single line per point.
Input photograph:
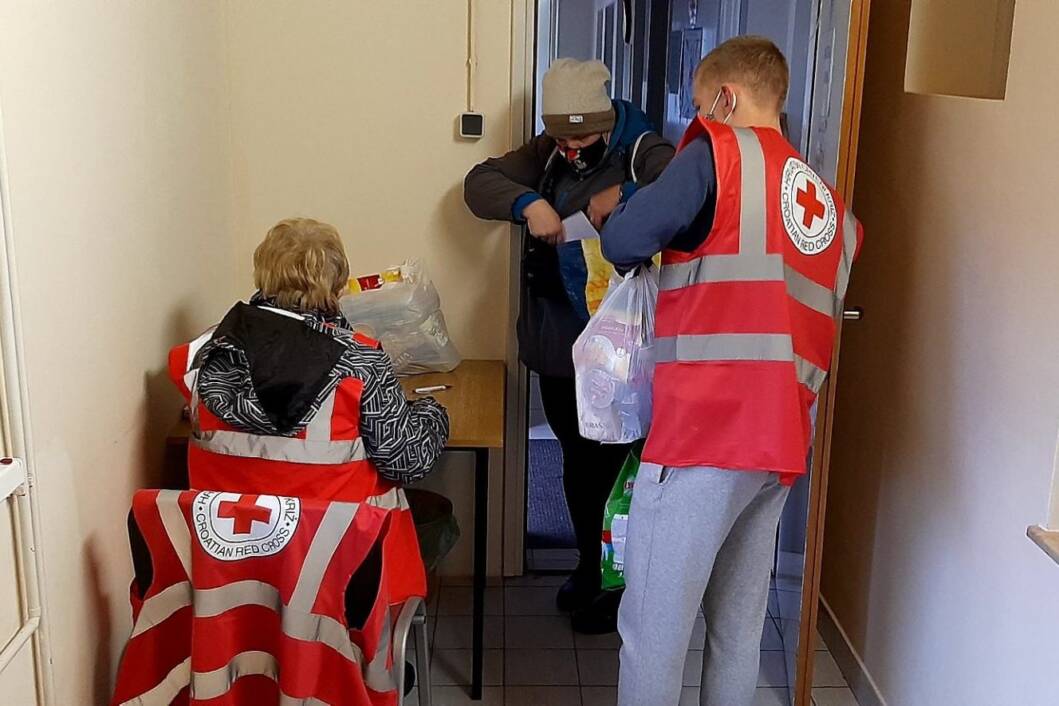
x=402 y=310
x=614 y=361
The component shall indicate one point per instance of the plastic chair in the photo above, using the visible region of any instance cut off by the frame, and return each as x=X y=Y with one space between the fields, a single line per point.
x=413 y=616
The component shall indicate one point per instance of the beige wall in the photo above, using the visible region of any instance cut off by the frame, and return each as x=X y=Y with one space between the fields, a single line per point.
x=149 y=146
x=115 y=126
x=949 y=390
x=346 y=111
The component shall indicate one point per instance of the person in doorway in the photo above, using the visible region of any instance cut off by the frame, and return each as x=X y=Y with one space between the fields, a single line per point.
x=286 y=399
x=594 y=153
x=756 y=255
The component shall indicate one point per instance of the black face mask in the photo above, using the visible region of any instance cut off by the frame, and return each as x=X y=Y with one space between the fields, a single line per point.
x=585 y=159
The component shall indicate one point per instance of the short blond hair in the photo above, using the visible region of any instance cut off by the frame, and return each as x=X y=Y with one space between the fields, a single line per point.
x=751 y=61
x=302 y=265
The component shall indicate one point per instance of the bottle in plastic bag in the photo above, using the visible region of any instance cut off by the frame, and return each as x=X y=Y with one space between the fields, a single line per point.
x=614 y=361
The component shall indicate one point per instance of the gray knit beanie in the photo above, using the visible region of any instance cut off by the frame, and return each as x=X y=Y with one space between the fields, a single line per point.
x=575 y=101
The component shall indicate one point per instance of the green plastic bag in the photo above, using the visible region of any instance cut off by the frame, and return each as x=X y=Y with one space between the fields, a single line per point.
x=616 y=521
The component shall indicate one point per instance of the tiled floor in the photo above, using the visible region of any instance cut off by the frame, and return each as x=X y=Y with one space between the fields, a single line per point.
x=533 y=658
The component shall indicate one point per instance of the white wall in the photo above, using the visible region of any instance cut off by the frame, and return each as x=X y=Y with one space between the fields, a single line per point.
x=949 y=388
x=115 y=124
x=346 y=112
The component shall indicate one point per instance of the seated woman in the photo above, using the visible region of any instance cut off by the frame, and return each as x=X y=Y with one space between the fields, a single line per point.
x=286 y=400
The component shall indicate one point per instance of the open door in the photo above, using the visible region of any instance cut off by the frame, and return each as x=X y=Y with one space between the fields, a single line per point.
x=825 y=42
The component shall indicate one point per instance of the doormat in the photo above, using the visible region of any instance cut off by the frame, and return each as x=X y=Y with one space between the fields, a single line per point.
x=548 y=523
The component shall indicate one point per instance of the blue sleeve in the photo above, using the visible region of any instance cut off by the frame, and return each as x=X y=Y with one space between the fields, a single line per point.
x=646 y=224
x=520 y=205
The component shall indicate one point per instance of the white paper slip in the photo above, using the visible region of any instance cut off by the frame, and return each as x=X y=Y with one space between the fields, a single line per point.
x=578 y=227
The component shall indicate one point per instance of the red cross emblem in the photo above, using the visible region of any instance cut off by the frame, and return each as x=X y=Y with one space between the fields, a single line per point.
x=812 y=207
x=245 y=513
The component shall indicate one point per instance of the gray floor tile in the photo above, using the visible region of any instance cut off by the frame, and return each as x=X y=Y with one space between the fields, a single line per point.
x=460 y=696
x=457 y=632
x=770 y=636
x=826 y=671
x=599 y=695
x=790 y=605
x=773 y=669
x=698 y=634
x=551 y=632
x=555 y=580
x=553 y=559
x=610 y=641
x=540 y=667
x=453 y=667
x=598 y=667
x=764 y=696
x=833 y=697
x=459 y=600
x=530 y=600
x=542 y=696
x=689 y=696
x=693 y=668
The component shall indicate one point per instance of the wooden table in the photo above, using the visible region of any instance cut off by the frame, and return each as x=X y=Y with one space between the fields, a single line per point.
x=475 y=402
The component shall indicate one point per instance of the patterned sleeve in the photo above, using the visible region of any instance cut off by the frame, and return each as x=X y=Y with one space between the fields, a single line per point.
x=403 y=438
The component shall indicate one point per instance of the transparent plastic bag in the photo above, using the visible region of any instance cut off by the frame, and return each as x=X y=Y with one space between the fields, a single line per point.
x=614 y=361
x=403 y=312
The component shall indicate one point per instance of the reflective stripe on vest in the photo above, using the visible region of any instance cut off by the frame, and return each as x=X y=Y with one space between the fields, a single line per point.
x=754 y=264
x=317 y=448
x=209 y=685
x=297 y=619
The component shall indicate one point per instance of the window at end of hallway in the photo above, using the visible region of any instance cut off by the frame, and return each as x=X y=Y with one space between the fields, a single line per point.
x=959 y=48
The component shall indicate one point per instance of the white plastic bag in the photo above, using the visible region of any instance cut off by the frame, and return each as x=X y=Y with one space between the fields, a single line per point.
x=614 y=361
x=404 y=314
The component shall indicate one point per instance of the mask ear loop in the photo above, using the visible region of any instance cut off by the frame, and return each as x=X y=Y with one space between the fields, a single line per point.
x=735 y=102
x=712 y=114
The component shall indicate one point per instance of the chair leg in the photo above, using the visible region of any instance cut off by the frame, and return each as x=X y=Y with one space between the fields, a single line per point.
x=408 y=615
x=419 y=625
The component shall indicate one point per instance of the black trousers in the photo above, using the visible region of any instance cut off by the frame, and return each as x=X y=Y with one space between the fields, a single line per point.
x=589 y=470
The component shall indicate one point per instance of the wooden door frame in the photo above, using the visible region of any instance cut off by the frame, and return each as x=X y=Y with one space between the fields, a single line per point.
x=814 y=538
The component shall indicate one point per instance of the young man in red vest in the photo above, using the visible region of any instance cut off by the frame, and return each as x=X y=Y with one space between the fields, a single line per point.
x=756 y=254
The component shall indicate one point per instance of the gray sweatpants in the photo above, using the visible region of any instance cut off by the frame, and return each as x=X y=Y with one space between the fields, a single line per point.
x=696 y=535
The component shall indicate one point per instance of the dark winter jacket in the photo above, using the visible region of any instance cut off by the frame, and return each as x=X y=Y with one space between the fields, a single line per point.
x=500 y=188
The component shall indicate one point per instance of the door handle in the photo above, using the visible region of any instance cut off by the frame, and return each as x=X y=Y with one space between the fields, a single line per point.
x=854 y=314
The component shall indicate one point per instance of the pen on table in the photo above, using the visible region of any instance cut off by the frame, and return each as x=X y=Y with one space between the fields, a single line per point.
x=432 y=388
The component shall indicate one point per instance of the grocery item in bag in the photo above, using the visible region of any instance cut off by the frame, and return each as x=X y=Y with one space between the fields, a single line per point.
x=614 y=361
x=616 y=522
x=401 y=309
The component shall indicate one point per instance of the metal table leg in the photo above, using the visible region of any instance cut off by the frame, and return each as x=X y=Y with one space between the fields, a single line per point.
x=481 y=534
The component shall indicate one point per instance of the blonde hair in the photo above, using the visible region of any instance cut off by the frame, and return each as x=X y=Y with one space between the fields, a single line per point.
x=752 y=61
x=302 y=265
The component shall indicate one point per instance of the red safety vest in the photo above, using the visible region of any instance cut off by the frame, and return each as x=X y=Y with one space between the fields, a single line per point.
x=746 y=323
x=326 y=460
x=246 y=604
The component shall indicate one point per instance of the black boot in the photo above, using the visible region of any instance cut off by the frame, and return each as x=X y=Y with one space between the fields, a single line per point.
x=578 y=591
x=600 y=616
